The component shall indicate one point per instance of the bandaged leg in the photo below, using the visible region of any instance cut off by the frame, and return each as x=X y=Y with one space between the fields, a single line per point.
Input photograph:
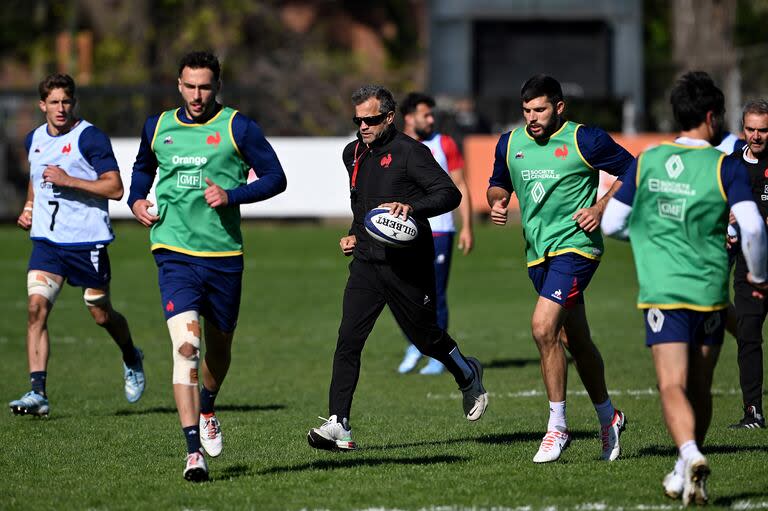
x=38 y=283
x=185 y=336
x=95 y=297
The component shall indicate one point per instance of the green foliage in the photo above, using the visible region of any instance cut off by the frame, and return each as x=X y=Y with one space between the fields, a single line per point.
x=417 y=451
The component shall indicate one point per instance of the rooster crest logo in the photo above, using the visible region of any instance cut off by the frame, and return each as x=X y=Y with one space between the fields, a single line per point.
x=214 y=139
x=386 y=160
x=561 y=152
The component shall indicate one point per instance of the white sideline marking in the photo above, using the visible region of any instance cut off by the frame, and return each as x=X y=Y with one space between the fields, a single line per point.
x=648 y=392
x=748 y=504
x=739 y=505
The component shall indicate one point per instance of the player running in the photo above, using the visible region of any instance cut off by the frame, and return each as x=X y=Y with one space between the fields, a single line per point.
x=202 y=152
x=674 y=206
x=73 y=175
x=553 y=166
x=419 y=124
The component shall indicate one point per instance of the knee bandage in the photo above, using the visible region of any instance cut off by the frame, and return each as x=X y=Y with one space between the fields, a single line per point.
x=95 y=297
x=185 y=336
x=39 y=283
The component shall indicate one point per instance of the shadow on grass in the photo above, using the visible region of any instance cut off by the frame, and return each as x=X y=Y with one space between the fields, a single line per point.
x=232 y=472
x=495 y=439
x=659 y=450
x=362 y=462
x=528 y=436
x=222 y=408
x=505 y=363
x=729 y=500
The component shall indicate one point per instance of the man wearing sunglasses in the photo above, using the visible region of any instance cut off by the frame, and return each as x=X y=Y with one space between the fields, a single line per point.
x=390 y=169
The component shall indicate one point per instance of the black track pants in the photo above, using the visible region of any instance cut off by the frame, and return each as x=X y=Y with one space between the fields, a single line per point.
x=410 y=294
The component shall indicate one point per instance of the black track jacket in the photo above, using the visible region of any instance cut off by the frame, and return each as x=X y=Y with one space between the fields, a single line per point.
x=397 y=168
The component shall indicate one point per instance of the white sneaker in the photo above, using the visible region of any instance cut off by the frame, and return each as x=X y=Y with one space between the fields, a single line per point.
x=552 y=446
x=331 y=435
x=695 y=481
x=673 y=485
x=210 y=435
x=196 y=470
x=475 y=396
x=30 y=403
x=609 y=435
x=411 y=358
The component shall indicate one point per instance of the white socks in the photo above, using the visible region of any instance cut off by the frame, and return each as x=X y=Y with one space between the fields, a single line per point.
x=557 y=416
x=689 y=451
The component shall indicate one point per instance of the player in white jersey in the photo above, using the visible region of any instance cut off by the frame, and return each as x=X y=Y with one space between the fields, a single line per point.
x=73 y=174
x=419 y=123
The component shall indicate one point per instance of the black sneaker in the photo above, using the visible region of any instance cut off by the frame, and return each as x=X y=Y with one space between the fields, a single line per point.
x=751 y=420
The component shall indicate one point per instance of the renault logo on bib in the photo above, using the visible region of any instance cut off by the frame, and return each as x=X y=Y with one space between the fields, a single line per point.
x=189 y=179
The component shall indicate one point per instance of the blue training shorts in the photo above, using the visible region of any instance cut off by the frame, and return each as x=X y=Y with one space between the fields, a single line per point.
x=191 y=287
x=86 y=267
x=563 y=278
x=684 y=325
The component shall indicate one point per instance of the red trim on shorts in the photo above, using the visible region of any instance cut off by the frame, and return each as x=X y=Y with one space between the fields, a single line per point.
x=570 y=301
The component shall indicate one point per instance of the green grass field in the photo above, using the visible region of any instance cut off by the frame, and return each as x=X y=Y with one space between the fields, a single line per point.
x=417 y=451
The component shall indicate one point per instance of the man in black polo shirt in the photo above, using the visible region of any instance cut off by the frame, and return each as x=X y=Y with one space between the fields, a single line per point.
x=389 y=169
x=751 y=309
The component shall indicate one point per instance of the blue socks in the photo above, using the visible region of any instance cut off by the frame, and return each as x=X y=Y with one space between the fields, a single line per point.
x=37 y=378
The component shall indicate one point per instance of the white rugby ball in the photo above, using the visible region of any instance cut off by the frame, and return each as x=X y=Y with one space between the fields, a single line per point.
x=390 y=230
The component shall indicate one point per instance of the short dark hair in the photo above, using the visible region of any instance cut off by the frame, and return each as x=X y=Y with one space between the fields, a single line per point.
x=56 y=81
x=411 y=102
x=693 y=95
x=756 y=106
x=387 y=101
x=201 y=60
x=542 y=85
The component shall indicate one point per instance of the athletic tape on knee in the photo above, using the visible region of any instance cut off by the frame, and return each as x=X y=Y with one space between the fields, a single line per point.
x=95 y=297
x=185 y=337
x=39 y=283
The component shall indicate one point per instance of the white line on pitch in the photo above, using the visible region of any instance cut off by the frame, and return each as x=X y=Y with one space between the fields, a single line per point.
x=648 y=392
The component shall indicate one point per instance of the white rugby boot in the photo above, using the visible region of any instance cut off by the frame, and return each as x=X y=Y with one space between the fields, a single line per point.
x=210 y=435
x=332 y=435
x=695 y=481
x=673 y=485
x=196 y=469
x=475 y=399
x=552 y=446
x=610 y=434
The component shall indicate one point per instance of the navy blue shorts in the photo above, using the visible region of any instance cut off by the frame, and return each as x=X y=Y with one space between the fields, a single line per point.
x=215 y=295
x=563 y=278
x=86 y=267
x=684 y=325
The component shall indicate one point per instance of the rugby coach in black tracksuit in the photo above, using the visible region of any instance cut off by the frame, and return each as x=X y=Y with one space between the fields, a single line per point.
x=390 y=169
x=750 y=309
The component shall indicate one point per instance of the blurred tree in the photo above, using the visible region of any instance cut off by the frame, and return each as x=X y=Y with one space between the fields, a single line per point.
x=291 y=64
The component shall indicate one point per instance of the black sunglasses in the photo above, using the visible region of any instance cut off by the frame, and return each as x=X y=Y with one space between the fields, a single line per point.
x=373 y=120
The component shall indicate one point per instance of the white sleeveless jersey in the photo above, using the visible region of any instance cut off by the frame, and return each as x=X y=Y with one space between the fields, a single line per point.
x=444 y=222
x=64 y=216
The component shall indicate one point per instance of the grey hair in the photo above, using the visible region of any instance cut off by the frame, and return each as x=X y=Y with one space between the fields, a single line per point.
x=387 y=101
x=756 y=106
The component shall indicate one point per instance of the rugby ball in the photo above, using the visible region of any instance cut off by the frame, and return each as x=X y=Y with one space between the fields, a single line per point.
x=390 y=230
